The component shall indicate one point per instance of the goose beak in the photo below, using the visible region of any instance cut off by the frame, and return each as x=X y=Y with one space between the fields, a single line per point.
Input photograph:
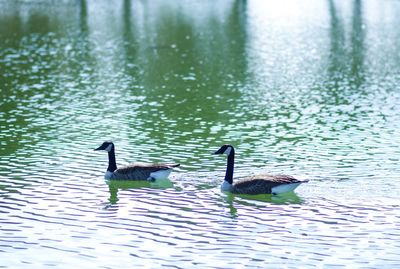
x=99 y=148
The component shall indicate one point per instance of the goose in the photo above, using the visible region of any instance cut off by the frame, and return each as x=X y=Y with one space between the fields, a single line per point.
x=258 y=184
x=149 y=172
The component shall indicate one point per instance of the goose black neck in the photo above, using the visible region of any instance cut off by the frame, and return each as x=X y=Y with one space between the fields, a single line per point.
x=229 y=167
x=112 y=165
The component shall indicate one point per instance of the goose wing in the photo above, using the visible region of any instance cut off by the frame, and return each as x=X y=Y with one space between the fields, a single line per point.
x=278 y=179
x=139 y=171
x=262 y=184
x=149 y=166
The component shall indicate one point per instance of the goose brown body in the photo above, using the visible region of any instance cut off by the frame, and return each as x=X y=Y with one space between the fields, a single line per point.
x=263 y=184
x=140 y=171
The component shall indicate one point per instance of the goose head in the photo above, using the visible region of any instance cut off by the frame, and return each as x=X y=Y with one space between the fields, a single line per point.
x=225 y=149
x=107 y=146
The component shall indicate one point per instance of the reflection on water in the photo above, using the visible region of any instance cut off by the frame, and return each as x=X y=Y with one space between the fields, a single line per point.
x=115 y=186
x=307 y=90
x=258 y=201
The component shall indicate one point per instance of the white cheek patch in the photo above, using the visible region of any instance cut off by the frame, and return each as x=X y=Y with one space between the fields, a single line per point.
x=108 y=148
x=228 y=151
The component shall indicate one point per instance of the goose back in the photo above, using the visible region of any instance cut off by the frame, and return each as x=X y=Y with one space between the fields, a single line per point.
x=264 y=184
x=141 y=171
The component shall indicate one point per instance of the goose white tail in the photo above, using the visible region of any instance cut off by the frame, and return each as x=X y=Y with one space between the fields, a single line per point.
x=160 y=174
x=285 y=188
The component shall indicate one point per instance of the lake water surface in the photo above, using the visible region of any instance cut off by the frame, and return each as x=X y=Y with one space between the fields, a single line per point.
x=306 y=88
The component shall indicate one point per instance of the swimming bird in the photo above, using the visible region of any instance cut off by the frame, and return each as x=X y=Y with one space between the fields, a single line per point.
x=258 y=184
x=134 y=171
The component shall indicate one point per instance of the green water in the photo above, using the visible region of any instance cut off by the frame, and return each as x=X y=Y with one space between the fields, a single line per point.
x=307 y=89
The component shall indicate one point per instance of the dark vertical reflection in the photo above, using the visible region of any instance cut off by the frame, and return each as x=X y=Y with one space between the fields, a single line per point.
x=345 y=67
x=126 y=23
x=129 y=43
x=337 y=58
x=237 y=33
x=337 y=43
x=357 y=44
x=83 y=16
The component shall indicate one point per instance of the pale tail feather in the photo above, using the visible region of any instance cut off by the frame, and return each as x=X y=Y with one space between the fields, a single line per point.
x=161 y=174
x=285 y=188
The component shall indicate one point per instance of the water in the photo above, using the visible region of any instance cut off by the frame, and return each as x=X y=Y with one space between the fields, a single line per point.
x=307 y=89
